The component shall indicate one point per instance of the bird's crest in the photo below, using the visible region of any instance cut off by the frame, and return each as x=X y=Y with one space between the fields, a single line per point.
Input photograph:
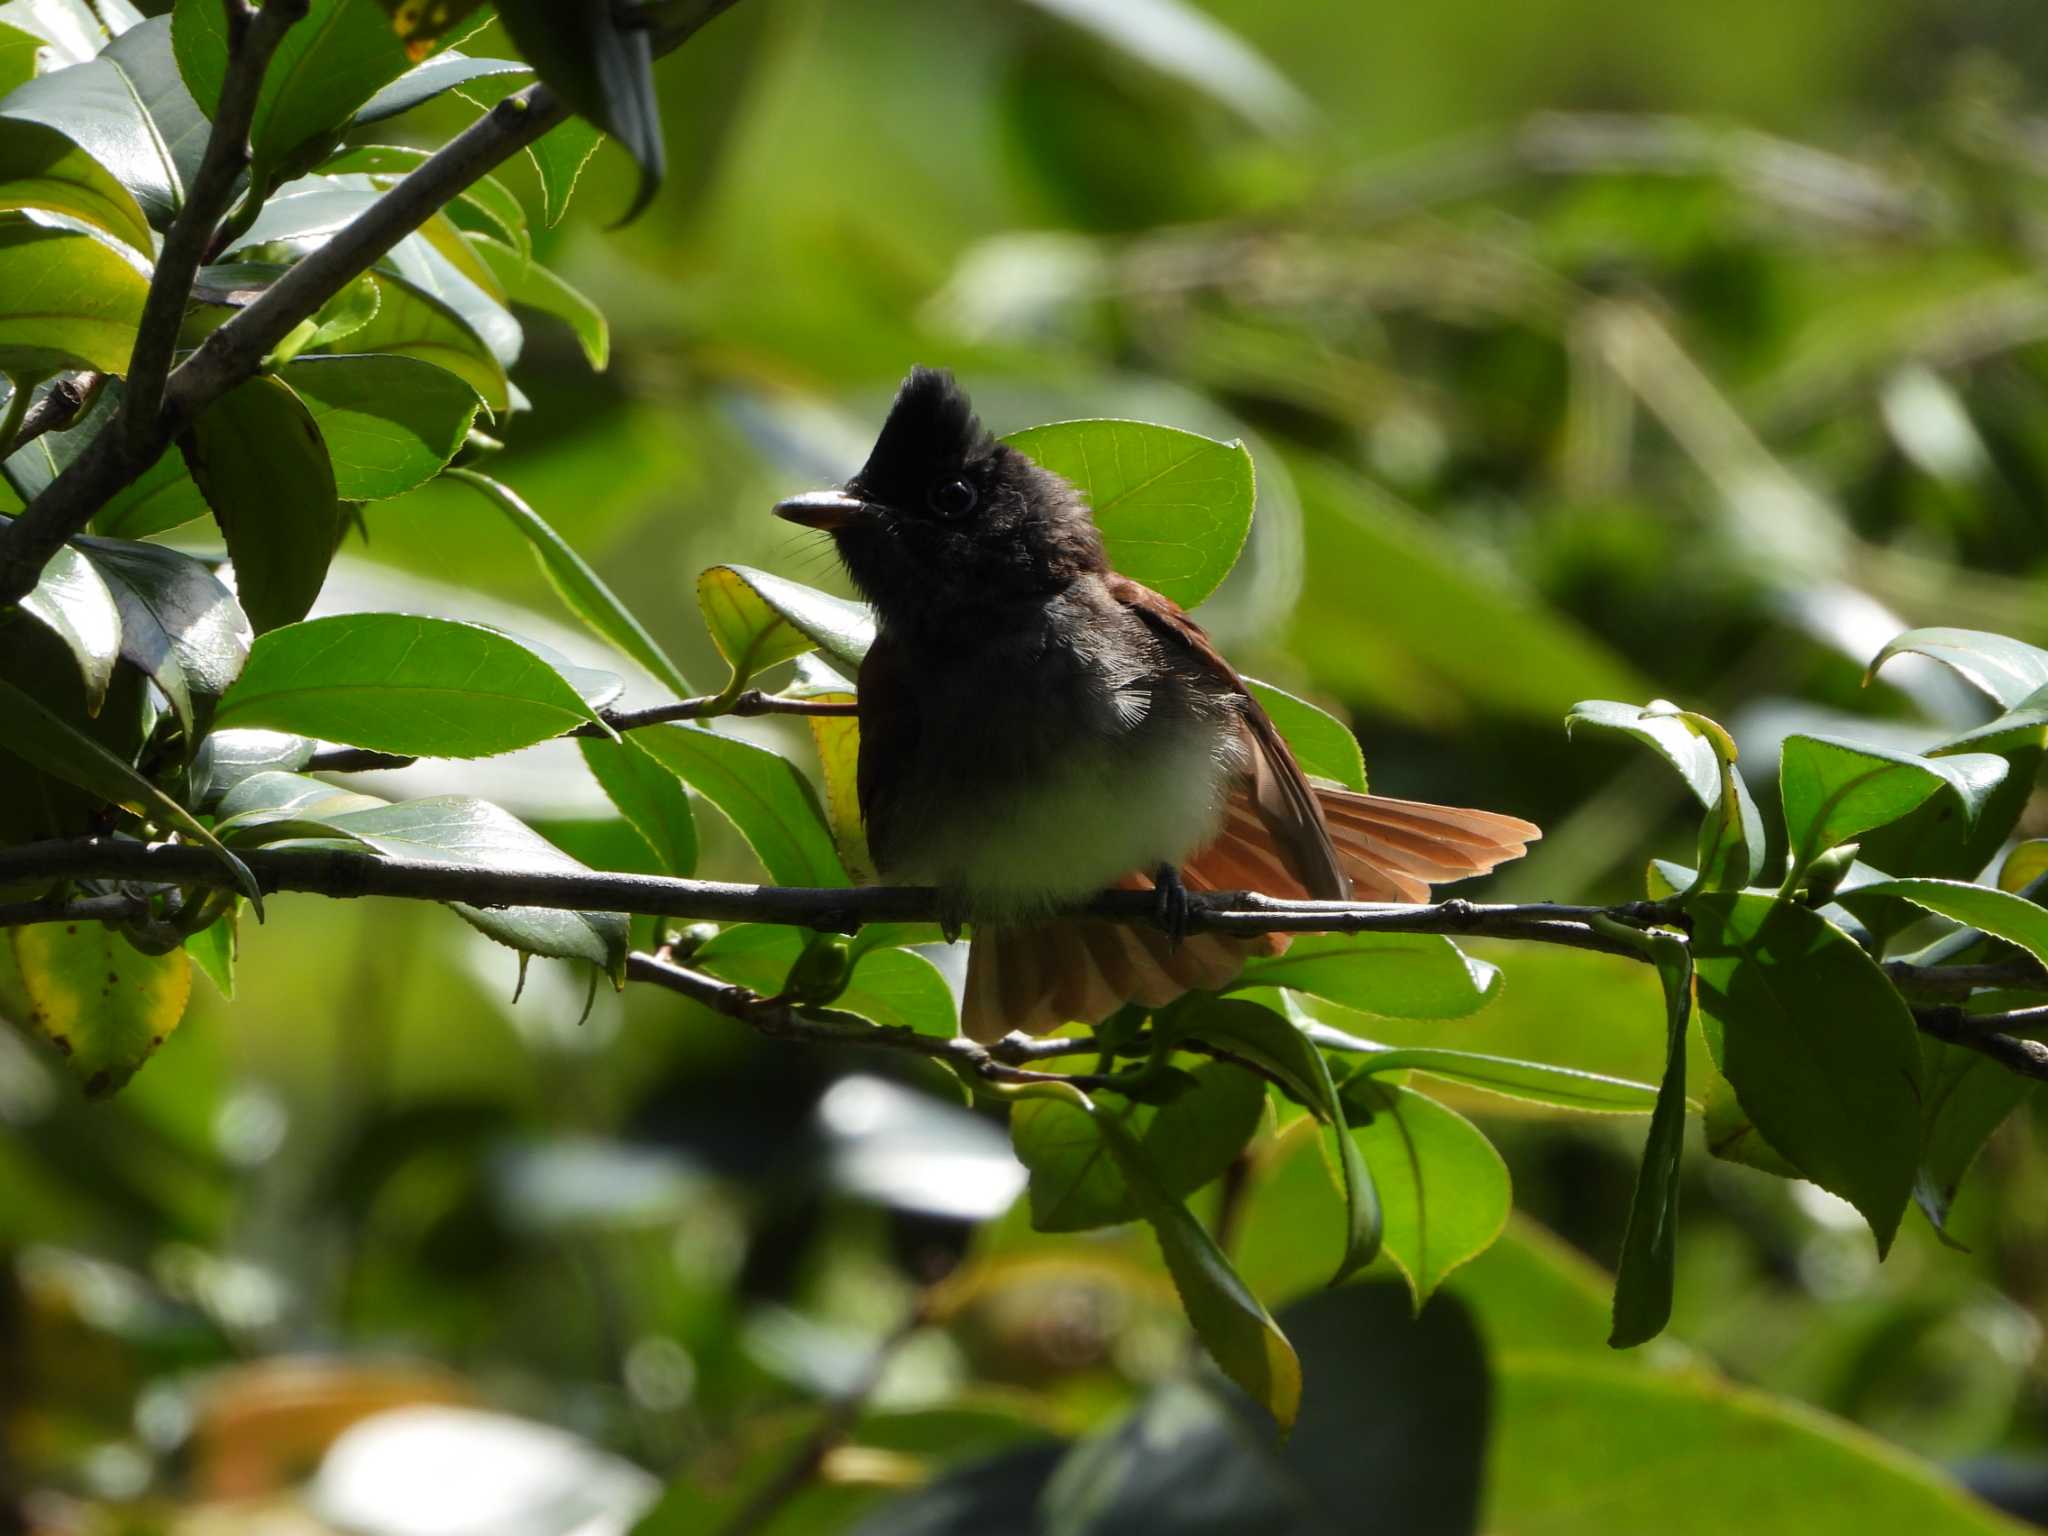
x=931 y=424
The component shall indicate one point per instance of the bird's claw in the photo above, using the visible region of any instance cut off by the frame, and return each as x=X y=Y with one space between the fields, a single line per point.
x=1173 y=905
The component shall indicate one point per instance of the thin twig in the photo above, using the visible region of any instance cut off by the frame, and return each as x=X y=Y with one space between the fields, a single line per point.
x=253 y=36
x=62 y=404
x=704 y=706
x=80 y=909
x=1960 y=980
x=1981 y=1033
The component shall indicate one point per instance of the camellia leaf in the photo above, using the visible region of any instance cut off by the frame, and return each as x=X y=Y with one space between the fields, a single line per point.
x=226 y=758
x=581 y=588
x=1272 y=1042
x=74 y=603
x=18 y=50
x=1820 y=1049
x=486 y=198
x=397 y=682
x=389 y=423
x=1077 y=1184
x=261 y=462
x=1174 y=507
x=67 y=300
x=44 y=740
x=1643 y=1279
x=757 y=619
x=770 y=804
x=443 y=72
x=1968 y=1096
x=1444 y=1191
x=1731 y=841
x=41 y=168
x=103 y=1005
x=162 y=497
x=648 y=796
x=603 y=69
x=529 y=283
x=2008 y=670
x=212 y=949
x=1394 y=975
x=837 y=738
x=558 y=157
x=1834 y=791
x=895 y=988
x=1536 y=1081
x=409 y=323
x=1999 y=913
x=1237 y=1331
x=421 y=23
x=180 y=627
x=1323 y=745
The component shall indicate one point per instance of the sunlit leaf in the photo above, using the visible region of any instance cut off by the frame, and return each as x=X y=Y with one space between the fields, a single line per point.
x=103 y=1005
x=772 y=805
x=1396 y=975
x=649 y=796
x=389 y=423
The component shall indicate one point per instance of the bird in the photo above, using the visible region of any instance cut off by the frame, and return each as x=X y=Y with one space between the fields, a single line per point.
x=1036 y=727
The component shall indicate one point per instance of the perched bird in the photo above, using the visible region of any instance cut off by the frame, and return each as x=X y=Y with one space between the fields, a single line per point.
x=1035 y=727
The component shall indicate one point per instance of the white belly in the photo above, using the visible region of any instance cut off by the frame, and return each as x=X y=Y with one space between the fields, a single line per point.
x=1101 y=814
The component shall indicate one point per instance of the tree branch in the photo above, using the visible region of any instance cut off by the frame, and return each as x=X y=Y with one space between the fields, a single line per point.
x=253 y=36
x=1982 y=1033
x=704 y=706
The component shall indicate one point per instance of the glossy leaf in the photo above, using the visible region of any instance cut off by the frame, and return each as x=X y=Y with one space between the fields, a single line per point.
x=262 y=465
x=1393 y=975
x=75 y=605
x=1174 y=507
x=753 y=615
x=389 y=423
x=67 y=300
x=41 y=168
x=1444 y=1191
x=1321 y=743
x=213 y=951
x=487 y=198
x=443 y=72
x=603 y=69
x=18 y=50
x=1077 y=1184
x=1731 y=841
x=1643 y=1279
x=1999 y=913
x=770 y=804
x=558 y=157
x=1269 y=1041
x=837 y=739
x=2009 y=670
x=44 y=740
x=1834 y=791
x=103 y=1005
x=1536 y=1081
x=398 y=682
x=162 y=497
x=648 y=796
x=180 y=627
x=1820 y=1049
x=226 y=758
x=581 y=588
x=409 y=323
x=895 y=988
x=2027 y=863
x=529 y=283
x=1239 y=1334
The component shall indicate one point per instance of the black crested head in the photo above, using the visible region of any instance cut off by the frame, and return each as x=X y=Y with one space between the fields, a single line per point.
x=943 y=519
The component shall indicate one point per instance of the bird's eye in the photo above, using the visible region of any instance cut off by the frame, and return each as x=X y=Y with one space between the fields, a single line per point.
x=953 y=498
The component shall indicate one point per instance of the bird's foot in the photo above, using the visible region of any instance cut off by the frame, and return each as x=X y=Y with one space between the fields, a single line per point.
x=1173 y=905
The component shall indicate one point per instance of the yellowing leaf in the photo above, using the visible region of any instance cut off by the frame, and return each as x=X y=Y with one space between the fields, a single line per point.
x=101 y=1003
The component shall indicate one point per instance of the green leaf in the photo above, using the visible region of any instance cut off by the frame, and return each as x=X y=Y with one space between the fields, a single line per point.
x=162 y=497
x=757 y=619
x=837 y=739
x=67 y=300
x=602 y=69
x=213 y=948
x=1998 y=913
x=1444 y=1191
x=1267 y=1040
x=327 y=65
x=1820 y=1049
x=581 y=588
x=180 y=627
x=1076 y=1183
x=455 y=829
x=895 y=988
x=398 y=682
x=1174 y=507
x=260 y=461
x=1834 y=791
x=129 y=110
x=74 y=603
x=226 y=758
x=44 y=740
x=1643 y=1279
x=648 y=796
x=1731 y=842
x=41 y=168
x=770 y=804
x=104 y=1006
x=1536 y=1081
x=443 y=72
x=2008 y=670
x=1393 y=975
x=1733 y=1137
x=1321 y=743
x=1238 y=1332
x=558 y=157
x=1968 y=1097
x=487 y=198
x=18 y=51
x=410 y=323
x=389 y=423
x=529 y=283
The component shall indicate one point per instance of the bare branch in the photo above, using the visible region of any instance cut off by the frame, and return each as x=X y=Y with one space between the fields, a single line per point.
x=1982 y=1033
x=253 y=36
